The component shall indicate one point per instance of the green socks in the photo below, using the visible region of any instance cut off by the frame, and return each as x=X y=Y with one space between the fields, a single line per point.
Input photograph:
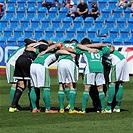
x=119 y=95
x=85 y=98
x=72 y=99
x=67 y=90
x=12 y=91
x=111 y=93
x=33 y=98
x=46 y=97
x=61 y=98
x=102 y=99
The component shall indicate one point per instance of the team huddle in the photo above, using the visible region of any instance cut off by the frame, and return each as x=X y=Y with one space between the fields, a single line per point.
x=29 y=65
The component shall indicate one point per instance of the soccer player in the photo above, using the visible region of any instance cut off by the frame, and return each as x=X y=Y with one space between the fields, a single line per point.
x=10 y=67
x=40 y=77
x=93 y=74
x=67 y=74
x=118 y=74
x=22 y=70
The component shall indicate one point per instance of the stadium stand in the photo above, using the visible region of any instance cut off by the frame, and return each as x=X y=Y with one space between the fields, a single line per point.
x=118 y=41
x=20 y=15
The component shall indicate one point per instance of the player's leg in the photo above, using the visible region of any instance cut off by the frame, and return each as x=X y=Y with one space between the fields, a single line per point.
x=119 y=96
x=61 y=97
x=19 y=90
x=99 y=78
x=67 y=92
x=111 y=94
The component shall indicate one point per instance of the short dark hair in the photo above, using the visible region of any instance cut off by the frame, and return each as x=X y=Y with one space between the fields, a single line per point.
x=42 y=40
x=74 y=40
x=67 y=41
x=29 y=41
x=86 y=41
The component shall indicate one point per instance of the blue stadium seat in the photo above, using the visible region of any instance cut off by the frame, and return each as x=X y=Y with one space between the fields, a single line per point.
x=107 y=40
x=97 y=40
x=112 y=4
x=62 y=39
x=127 y=12
x=114 y=32
x=49 y=32
x=28 y=32
x=8 y=32
x=11 y=3
x=2 y=40
x=39 y=3
x=21 y=12
x=54 y=39
x=42 y=12
x=99 y=22
x=31 y=3
x=18 y=32
x=110 y=22
x=88 y=22
x=70 y=32
x=103 y=32
x=66 y=22
x=92 y=32
x=4 y=22
x=56 y=22
x=14 y=22
x=35 y=22
x=21 y=3
x=77 y=22
x=130 y=22
x=24 y=22
x=20 y=41
x=53 y=11
x=121 y=22
x=81 y=32
x=124 y=32
x=118 y=41
x=59 y=32
x=39 y=32
x=62 y=12
x=102 y=4
x=117 y=12
x=45 y=23
x=11 y=41
x=106 y=13
x=128 y=41
x=31 y=12
x=10 y=11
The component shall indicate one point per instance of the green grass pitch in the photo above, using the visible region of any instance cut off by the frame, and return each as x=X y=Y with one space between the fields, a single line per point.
x=92 y=122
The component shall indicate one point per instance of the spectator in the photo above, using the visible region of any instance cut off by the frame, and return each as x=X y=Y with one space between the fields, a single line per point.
x=122 y=3
x=82 y=9
x=72 y=10
x=94 y=11
x=49 y=3
x=1 y=10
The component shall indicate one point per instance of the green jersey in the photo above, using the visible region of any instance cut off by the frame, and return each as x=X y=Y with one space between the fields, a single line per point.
x=46 y=59
x=94 y=60
x=69 y=57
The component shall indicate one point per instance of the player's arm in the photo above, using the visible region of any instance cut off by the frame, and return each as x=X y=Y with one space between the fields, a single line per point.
x=97 y=45
x=71 y=50
x=84 y=47
x=65 y=52
x=57 y=45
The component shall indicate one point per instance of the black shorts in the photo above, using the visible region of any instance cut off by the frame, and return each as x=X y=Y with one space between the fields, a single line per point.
x=22 y=68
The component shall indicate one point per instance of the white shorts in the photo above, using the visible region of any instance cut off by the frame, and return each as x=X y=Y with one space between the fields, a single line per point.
x=67 y=71
x=119 y=72
x=10 y=73
x=94 y=79
x=39 y=76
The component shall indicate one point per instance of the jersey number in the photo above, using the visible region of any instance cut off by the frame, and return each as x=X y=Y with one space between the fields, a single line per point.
x=93 y=55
